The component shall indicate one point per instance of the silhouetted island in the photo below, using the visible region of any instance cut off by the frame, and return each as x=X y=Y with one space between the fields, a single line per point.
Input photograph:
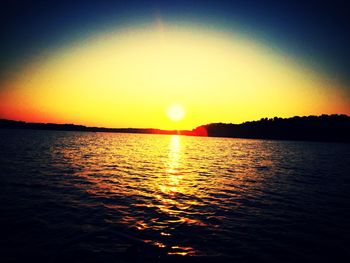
x=334 y=128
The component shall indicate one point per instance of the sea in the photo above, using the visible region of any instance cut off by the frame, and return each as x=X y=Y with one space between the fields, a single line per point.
x=117 y=197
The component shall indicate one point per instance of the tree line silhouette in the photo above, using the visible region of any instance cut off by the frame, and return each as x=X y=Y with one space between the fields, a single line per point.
x=310 y=128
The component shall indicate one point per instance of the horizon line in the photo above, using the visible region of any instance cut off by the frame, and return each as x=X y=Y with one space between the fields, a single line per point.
x=173 y=130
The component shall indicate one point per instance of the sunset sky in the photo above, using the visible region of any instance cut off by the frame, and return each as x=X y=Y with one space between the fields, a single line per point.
x=172 y=66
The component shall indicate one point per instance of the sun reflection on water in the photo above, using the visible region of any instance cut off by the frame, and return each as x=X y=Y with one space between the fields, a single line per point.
x=171 y=185
x=172 y=181
x=160 y=187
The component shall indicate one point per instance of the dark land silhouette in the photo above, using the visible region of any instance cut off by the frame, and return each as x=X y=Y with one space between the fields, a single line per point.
x=335 y=128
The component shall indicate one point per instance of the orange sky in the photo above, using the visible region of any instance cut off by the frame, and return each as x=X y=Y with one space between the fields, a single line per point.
x=129 y=78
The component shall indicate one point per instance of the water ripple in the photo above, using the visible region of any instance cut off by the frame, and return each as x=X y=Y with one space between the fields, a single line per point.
x=173 y=196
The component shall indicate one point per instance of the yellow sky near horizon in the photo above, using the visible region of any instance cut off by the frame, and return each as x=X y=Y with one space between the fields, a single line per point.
x=129 y=78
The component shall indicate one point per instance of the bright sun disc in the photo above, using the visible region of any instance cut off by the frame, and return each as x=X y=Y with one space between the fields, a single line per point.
x=176 y=112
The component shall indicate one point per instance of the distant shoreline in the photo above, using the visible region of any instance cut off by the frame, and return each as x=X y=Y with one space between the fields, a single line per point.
x=329 y=128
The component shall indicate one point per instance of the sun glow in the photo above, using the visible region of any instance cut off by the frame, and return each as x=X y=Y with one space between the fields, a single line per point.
x=124 y=78
x=176 y=112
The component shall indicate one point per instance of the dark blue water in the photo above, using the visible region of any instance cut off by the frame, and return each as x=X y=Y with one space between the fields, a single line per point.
x=101 y=197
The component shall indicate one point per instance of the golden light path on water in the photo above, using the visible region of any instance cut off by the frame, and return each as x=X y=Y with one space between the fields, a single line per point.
x=161 y=186
x=129 y=77
x=170 y=186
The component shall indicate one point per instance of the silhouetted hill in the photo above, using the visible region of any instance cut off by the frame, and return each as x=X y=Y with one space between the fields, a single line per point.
x=309 y=128
x=10 y=124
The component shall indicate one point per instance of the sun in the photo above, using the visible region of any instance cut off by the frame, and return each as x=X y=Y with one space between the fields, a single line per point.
x=176 y=112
